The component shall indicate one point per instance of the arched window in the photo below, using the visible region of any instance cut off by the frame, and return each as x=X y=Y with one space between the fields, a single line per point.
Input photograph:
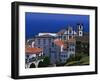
x=70 y=37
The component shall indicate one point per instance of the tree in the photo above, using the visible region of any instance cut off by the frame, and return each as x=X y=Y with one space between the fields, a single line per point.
x=76 y=57
x=46 y=61
x=85 y=48
x=82 y=47
x=41 y=64
x=78 y=47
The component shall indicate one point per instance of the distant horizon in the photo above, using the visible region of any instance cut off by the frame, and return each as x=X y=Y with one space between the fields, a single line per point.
x=52 y=23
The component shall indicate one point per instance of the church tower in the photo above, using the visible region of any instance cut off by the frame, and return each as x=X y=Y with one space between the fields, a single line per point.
x=79 y=29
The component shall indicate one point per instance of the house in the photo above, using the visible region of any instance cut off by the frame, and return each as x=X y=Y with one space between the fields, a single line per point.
x=45 y=42
x=33 y=56
x=61 y=53
x=64 y=49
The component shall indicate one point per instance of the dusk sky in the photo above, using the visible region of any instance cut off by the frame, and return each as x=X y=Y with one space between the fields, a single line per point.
x=46 y=22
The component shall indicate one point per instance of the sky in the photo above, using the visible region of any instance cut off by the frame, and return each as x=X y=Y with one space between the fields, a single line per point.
x=47 y=22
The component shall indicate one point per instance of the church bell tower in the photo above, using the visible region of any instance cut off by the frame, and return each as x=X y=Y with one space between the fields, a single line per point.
x=80 y=30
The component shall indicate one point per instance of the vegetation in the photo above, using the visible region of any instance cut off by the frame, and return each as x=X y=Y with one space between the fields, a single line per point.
x=82 y=55
x=74 y=58
x=82 y=47
x=85 y=60
x=60 y=64
x=45 y=63
x=78 y=59
x=41 y=64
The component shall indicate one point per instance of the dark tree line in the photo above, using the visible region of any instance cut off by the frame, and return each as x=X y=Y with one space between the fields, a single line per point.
x=82 y=47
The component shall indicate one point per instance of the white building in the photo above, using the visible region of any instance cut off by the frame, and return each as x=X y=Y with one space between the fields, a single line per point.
x=33 y=56
x=64 y=49
x=45 y=42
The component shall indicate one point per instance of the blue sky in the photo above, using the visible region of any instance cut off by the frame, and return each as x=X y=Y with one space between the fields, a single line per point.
x=47 y=22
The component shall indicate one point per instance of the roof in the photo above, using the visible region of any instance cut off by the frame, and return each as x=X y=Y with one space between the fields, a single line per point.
x=45 y=36
x=61 y=31
x=58 y=42
x=69 y=28
x=52 y=34
x=33 y=50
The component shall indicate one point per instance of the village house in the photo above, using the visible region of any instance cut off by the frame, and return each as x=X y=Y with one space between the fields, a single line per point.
x=33 y=56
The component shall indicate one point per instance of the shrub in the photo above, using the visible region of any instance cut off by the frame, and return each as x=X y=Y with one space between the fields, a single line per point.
x=74 y=58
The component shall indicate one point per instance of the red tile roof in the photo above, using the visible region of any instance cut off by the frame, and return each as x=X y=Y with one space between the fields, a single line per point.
x=58 y=42
x=34 y=50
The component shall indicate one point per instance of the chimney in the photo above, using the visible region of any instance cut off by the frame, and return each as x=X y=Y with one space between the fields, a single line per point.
x=33 y=44
x=62 y=48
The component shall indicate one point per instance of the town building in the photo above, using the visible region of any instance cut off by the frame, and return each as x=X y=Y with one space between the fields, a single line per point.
x=33 y=56
x=57 y=46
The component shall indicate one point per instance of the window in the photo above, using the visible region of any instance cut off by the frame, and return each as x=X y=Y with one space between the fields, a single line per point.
x=64 y=37
x=50 y=49
x=86 y=46
x=80 y=26
x=82 y=46
x=38 y=41
x=44 y=41
x=52 y=44
x=70 y=31
x=49 y=40
x=70 y=37
x=65 y=49
x=66 y=55
x=55 y=56
x=61 y=55
x=72 y=44
x=59 y=36
x=72 y=49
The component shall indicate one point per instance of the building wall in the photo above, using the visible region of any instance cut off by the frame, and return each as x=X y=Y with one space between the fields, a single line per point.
x=48 y=47
x=63 y=56
x=71 y=49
